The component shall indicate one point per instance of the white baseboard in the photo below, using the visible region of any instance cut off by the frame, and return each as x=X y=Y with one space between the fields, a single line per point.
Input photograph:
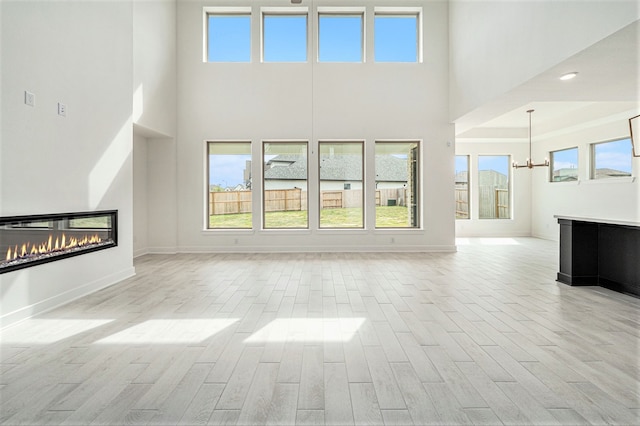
x=162 y=250
x=64 y=298
x=316 y=249
x=140 y=252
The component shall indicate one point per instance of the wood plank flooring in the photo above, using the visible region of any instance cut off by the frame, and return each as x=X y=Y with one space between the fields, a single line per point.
x=481 y=336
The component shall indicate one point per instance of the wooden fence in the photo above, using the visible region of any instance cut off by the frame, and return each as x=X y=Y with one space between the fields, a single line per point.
x=462 y=202
x=391 y=196
x=275 y=200
x=229 y=202
x=347 y=198
x=493 y=203
x=283 y=200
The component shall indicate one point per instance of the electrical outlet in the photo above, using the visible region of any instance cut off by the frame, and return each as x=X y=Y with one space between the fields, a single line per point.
x=62 y=109
x=29 y=98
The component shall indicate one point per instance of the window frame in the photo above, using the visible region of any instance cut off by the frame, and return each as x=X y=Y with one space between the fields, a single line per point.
x=418 y=184
x=509 y=187
x=387 y=11
x=468 y=157
x=345 y=12
x=225 y=11
x=284 y=11
x=362 y=180
x=552 y=161
x=264 y=186
x=207 y=211
x=592 y=160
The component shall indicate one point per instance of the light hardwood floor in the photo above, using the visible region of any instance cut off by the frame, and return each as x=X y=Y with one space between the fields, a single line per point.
x=481 y=336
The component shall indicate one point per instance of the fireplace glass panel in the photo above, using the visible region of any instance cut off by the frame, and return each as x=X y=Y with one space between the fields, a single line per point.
x=31 y=240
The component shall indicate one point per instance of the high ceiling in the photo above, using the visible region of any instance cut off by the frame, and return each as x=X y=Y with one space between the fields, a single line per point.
x=607 y=88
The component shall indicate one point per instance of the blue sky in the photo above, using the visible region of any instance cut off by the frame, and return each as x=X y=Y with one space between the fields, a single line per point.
x=614 y=155
x=227 y=170
x=340 y=38
x=462 y=163
x=499 y=163
x=285 y=38
x=565 y=159
x=395 y=39
x=236 y=33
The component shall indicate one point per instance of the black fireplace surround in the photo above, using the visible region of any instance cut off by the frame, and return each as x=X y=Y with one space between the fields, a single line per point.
x=27 y=241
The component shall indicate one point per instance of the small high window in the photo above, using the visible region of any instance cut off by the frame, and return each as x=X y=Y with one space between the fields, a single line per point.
x=396 y=36
x=229 y=37
x=284 y=37
x=564 y=165
x=493 y=187
x=340 y=37
x=611 y=159
x=462 y=186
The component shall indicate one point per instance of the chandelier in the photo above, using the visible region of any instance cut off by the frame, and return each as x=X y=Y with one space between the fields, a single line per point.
x=530 y=164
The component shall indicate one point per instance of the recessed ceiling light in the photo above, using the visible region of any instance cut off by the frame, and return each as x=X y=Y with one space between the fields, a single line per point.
x=568 y=76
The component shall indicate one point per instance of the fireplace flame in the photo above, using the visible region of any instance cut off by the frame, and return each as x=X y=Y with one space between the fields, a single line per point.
x=50 y=246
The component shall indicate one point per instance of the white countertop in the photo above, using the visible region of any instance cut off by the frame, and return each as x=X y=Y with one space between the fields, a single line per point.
x=595 y=220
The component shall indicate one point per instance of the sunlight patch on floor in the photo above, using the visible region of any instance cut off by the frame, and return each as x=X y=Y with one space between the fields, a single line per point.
x=487 y=241
x=169 y=331
x=307 y=330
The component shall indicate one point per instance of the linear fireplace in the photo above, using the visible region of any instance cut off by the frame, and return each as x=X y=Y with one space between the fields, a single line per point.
x=32 y=240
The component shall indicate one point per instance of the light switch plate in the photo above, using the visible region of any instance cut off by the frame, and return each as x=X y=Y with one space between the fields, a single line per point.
x=29 y=98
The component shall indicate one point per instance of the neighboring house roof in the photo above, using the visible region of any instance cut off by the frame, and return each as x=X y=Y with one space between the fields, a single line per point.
x=391 y=169
x=337 y=167
x=296 y=168
x=565 y=175
x=611 y=173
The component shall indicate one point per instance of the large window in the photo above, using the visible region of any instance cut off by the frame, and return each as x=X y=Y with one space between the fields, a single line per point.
x=341 y=189
x=229 y=37
x=340 y=37
x=229 y=179
x=284 y=37
x=462 y=186
x=397 y=184
x=396 y=36
x=611 y=159
x=284 y=197
x=493 y=187
x=564 y=165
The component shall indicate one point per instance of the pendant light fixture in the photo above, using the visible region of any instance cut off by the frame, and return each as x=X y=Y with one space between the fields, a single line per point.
x=530 y=164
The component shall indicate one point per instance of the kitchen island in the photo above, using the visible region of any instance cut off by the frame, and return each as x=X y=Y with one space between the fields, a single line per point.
x=600 y=252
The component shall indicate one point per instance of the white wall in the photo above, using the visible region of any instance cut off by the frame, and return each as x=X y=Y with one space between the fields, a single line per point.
x=615 y=199
x=498 y=45
x=520 y=186
x=154 y=65
x=78 y=53
x=154 y=116
x=140 y=191
x=311 y=101
x=162 y=181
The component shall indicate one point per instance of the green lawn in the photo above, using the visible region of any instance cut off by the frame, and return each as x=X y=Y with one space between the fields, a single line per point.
x=392 y=217
x=386 y=217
